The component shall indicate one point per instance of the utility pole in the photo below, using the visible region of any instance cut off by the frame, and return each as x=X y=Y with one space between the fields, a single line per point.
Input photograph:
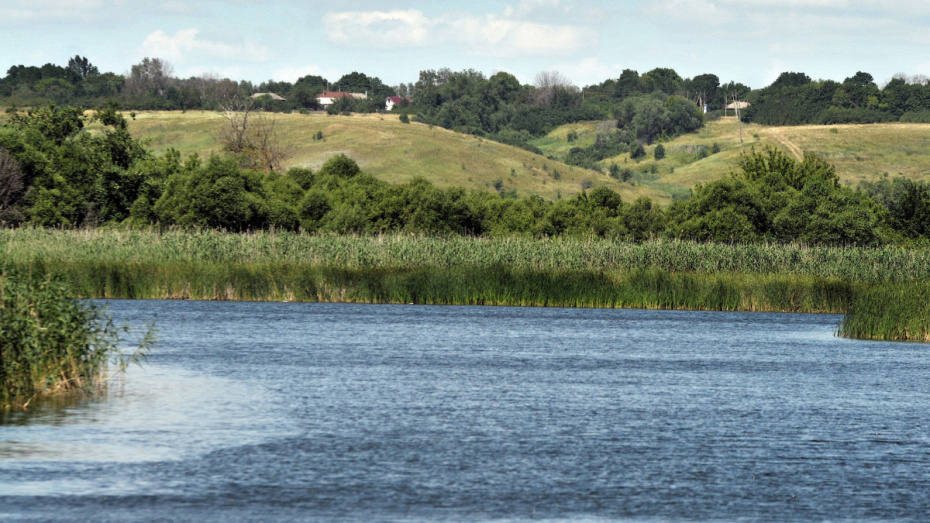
x=738 y=119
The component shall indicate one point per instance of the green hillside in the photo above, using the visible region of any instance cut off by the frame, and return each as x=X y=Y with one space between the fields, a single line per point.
x=394 y=152
x=859 y=152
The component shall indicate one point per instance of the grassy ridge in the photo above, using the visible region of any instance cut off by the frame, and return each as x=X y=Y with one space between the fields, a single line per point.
x=395 y=152
x=859 y=152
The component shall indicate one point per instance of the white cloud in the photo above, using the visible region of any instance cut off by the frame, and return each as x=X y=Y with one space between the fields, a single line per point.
x=382 y=28
x=488 y=35
x=185 y=47
x=527 y=7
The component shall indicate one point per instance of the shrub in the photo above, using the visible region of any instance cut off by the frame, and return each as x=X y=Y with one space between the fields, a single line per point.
x=659 y=152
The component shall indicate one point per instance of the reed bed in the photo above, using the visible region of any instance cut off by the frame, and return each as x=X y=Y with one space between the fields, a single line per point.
x=490 y=285
x=881 y=288
x=853 y=264
x=890 y=312
x=51 y=344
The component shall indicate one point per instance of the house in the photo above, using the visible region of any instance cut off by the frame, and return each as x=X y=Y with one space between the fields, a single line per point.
x=735 y=106
x=329 y=97
x=738 y=105
x=273 y=96
x=394 y=100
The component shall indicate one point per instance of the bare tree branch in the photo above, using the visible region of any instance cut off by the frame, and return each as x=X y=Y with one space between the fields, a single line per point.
x=547 y=82
x=252 y=136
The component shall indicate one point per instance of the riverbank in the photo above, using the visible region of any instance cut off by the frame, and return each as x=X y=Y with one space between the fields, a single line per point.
x=265 y=266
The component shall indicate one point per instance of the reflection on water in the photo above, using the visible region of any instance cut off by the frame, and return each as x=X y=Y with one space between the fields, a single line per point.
x=155 y=413
x=348 y=412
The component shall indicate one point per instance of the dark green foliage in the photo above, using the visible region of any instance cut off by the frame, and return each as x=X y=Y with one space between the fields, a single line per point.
x=340 y=166
x=404 y=118
x=777 y=198
x=638 y=151
x=659 y=152
x=908 y=203
x=604 y=146
x=73 y=177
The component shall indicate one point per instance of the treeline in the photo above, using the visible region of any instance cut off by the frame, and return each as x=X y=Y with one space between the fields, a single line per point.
x=55 y=173
x=151 y=85
x=795 y=99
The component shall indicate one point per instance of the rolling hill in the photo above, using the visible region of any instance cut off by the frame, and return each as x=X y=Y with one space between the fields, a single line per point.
x=394 y=152
x=859 y=152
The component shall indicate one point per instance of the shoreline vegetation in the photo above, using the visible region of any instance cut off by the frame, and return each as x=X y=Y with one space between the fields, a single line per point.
x=881 y=290
x=52 y=345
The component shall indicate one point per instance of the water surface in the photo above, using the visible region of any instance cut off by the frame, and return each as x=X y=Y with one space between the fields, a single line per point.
x=375 y=412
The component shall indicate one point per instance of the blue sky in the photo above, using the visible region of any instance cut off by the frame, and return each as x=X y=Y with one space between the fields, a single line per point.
x=749 y=41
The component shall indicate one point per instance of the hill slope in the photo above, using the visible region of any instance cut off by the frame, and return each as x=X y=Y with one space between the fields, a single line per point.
x=859 y=152
x=394 y=152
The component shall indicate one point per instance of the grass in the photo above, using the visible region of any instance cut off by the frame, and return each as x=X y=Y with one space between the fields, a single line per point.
x=890 y=312
x=25 y=246
x=881 y=288
x=51 y=344
x=859 y=152
x=392 y=151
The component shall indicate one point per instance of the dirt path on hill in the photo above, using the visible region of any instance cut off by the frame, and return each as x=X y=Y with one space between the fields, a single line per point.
x=791 y=146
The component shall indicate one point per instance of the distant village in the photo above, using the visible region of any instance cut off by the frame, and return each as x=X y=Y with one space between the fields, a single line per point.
x=328 y=98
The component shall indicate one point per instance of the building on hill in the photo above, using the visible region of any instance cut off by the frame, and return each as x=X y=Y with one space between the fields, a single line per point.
x=395 y=100
x=275 y=97
x=329 y=97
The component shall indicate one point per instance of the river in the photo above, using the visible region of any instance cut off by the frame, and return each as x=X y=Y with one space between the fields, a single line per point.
x=294 y=411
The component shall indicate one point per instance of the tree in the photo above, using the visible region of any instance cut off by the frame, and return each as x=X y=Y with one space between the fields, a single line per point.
x=82 y=66
x=150 y=76
x=659 y=152
x=11 y=186
x=628 y=84
x=547 y=83
x=662 y=79
x=252 y=137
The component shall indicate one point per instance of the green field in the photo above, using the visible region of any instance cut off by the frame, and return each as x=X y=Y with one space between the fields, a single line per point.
x=392 y=151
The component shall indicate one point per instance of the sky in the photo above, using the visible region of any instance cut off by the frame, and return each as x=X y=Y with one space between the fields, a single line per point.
x=748 y=41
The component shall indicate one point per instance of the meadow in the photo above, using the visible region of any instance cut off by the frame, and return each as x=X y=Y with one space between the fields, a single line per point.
x=396 y=152
x=859 y=152
x=390 y=150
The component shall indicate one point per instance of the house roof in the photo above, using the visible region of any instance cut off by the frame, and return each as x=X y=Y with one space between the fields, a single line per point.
x=334 y=94
x=273 y=96
x=742 y=105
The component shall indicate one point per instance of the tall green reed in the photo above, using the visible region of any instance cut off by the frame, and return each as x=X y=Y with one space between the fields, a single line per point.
x=52 y=344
